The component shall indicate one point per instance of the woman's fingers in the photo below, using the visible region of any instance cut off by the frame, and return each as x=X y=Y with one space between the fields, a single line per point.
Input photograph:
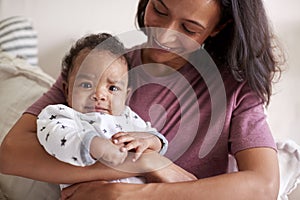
x=68 y=192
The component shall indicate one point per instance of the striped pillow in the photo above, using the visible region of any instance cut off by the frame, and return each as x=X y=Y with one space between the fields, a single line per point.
x=18 y=38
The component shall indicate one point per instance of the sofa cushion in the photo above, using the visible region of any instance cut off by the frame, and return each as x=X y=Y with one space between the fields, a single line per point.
x=20 y=85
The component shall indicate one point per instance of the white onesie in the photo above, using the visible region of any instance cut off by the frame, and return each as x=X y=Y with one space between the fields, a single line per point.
x=66 y=134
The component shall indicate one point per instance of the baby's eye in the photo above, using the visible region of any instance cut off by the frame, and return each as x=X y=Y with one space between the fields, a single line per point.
x=114 y=88
x=86 y=85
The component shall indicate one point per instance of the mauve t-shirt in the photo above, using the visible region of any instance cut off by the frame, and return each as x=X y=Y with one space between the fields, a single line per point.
x=203 y=112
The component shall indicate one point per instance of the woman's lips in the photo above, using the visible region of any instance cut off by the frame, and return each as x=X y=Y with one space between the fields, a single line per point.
x=164 y=49
x=160 y=46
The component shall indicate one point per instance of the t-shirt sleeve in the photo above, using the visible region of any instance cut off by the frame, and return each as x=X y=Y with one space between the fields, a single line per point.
x=54 y=95
x=249 y=127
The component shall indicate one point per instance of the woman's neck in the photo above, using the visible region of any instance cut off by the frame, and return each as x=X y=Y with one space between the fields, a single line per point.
x=163 y=68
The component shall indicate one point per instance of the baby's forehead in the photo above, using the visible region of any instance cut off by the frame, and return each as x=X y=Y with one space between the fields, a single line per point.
x=100 y=58
x=97 y=64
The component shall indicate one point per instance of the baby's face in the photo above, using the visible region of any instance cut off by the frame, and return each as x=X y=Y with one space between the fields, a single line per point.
x=98 y=83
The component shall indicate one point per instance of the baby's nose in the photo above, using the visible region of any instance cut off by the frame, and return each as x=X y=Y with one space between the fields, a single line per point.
x=100 y=95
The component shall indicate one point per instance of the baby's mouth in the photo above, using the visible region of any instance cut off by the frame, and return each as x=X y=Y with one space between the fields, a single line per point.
x=101 y=109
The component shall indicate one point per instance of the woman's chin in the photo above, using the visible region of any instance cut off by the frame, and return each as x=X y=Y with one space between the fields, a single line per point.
x=161 y=56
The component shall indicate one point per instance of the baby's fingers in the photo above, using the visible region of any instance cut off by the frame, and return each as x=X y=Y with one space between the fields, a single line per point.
x=123 y=139
x=139 y=151
x=138 y=147
x=117 y=135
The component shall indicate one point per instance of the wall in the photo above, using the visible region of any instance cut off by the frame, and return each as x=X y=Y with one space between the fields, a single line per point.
x=284 y=110
x=60 y=22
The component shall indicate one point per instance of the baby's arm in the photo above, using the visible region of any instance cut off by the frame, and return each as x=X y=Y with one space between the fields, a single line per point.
x=140 y=137
x=67 y=137
x=103 y=149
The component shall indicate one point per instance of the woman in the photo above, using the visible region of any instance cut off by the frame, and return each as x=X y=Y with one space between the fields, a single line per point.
x=236 y=35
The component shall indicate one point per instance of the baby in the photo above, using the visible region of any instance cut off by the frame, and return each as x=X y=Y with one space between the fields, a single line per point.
x=96 y=125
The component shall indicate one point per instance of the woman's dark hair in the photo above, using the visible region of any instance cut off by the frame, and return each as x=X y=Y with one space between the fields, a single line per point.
x=99 y=42
x=246 y=44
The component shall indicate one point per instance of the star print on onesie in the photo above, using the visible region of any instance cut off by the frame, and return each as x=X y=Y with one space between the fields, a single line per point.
x=67 y=134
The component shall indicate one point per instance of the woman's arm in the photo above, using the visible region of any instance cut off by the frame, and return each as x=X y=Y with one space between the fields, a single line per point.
x=22 y=155
x=258 y=178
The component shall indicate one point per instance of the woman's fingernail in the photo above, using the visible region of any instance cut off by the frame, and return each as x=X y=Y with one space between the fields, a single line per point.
x=115 y=141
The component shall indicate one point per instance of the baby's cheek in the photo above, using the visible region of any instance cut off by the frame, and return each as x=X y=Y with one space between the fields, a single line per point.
x=118 y=106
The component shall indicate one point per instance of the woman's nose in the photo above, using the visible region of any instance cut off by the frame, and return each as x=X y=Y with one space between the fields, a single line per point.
x=168 y=34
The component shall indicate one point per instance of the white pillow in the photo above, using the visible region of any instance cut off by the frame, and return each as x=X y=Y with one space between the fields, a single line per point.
x=20 y=85
x=289 y=166
x=19 y=38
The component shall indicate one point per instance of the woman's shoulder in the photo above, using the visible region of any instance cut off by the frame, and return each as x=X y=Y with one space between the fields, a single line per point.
x=238 y=92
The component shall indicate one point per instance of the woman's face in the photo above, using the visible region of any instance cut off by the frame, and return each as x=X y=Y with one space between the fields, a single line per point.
x=181 y=26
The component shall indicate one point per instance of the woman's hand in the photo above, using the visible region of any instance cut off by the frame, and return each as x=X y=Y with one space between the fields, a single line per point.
x=169 y=174
x=109 y=191
x=100 y=190
x=87 y=190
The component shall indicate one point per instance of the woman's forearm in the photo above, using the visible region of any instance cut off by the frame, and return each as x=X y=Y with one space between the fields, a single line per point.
x=22 y=155
x=235 y=186
x=258 y=178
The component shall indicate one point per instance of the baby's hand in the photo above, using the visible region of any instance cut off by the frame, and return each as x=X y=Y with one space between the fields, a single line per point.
x=104 y=150
x=138 y=141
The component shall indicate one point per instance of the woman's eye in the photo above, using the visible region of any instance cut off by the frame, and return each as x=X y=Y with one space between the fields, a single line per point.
x=159 y=12
x=114 y=88
x=188 y=30
x=86 y=85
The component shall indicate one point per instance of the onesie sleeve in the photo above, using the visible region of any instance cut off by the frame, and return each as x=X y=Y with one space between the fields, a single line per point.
x=64 y=135
x=142 y=126
x=163 y=140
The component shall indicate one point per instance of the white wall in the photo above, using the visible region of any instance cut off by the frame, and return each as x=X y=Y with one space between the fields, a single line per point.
x=60 y=22
x=284 y=111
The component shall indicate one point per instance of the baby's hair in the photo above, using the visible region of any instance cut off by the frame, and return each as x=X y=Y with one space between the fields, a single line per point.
x=92 y=42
